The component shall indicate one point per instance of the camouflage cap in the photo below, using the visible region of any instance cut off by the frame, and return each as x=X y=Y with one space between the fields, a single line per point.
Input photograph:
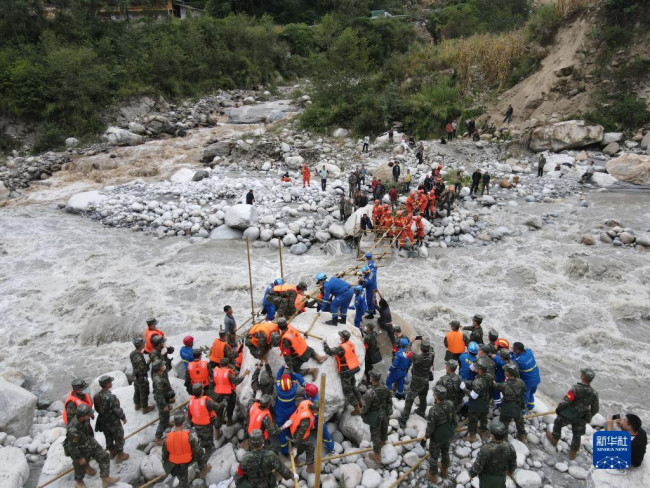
x=275 y=339
x=485 y=348
x=478 y=318
x=257 y=438
x=83 y=410
x=483 y=363
x=454 y=323
x=452 y=364
x=425 y=345
x=588 y=373
x=196 y=353
x=345 y=334
x=157 y=339
x=179 y=419
x=397 y=328
x=282 y=323
x=152 y=321
x=493 y=335
x=225 y=361
x=440 y=391
x=104 y=380
x=498 y=428
x=197 y=389
x=79 y=384
x=266 y=400
x=264 y=379
x=302 y=286
x=504 y=353
x=375 y=375
x=156 y=365
x=512 y=369
x=138 y=342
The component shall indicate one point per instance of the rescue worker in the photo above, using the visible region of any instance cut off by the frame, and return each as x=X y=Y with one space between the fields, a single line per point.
x=376 y=412
x=479 y=398
x=371 y=289
x=496 y=459
x=423 y=202
x=286 y=389
x=400 y=223
x=306 y=176
x=420 y=377
x=259 y=466
x=151 y=331
x=110 y=418
x=483 y=353
x=284 y=298
x=202 y=412
x=398 y=369
x=514 y=400
x=295 y=350
x=311 y=391
x=441 y=424
x=502 y=359
x=446 y=199
x=81 y=446
x=258 y=339
x=259 y=418
x=268 y=308
x=419 y=230
x=409 y=205
x=181 y=449
x=262 y=381
x=580 y=404
x=431 y=208
x=385 y=319
x=230 y=325
x=78 y=396
x=348 y=366
x=466 y=360
x=377 y=214
x=161 y=352
x=337 y=294
x=225 y=383
x=220 y=349
x=187 y=352
x=476 y=334
x=455 y=341
x=198 y=372
x=493 y=336
x=303 y=421
x=407 y=233
x=359 y=306
x=387 y=222
x=451 y=381
x=163 y=396
x=528 y=371
x=140 y=380
x=373 y=355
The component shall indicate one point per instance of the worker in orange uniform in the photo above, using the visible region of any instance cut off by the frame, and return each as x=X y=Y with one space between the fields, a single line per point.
x=258 y=340
x=181 y=449
x=348 y=366
x=419 y=230
x=407 y=233
x=431 y=208
x=198 y=372
x=306 y=175
x=151 y=331
x=423 y=201
x=259 y=418
x=455 y=341
x=225 y=383
x=410 y=202
x=387 y=222
x=301 y=423
x=295 y=350
x=399 y=222
x=377 y=213
x=220 y=349
x=201 y=412
x=78 y=396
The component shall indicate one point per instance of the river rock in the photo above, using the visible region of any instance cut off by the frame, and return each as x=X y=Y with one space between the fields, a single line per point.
x=16 y=409
x=252 y=233
x=629 y=167
x=119 y=380
x=340 y=132
x=587 y=239
x=603 y=180
x=350 y=475
x=578 y=472
x=223 y=460
x=611 y=148
x=612 y=137
x=645 y=142
x=632 y=478
x=643 y=240
x=241 y=216
x=294 y=162
x=183 y=175
x=152 y=466
x=261 y=112
x=388 y=454
x=337 y=231
x=565 y=135
x=627 y=237
x=14 y=469
x=121 y=137
x=488 y=200
x=71 y=142
x=371 y=479
x=4 y=191
x=225 y=232
x=527 y=479
x=220 y=148
x=352 y=224
x=81 y=202
x=534 y=222
x=353 y=427
x=298 y=249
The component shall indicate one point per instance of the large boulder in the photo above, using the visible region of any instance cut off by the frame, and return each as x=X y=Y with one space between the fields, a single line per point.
x=14 y=469
x=351 y=474
x=565 y=135
x=224 y=232
x=16 y=409
x=183 y=175
x=384 y=172
x=220 y=148
x=352 y=224
x=353 y=427
x=632 y=168
x=223 y=461
x=121 y=137
x=334 y=392
x=241 y=216
x=294 y=162
x=333 y=170
x=81 y=202
x=119 y=380
x=262 y=112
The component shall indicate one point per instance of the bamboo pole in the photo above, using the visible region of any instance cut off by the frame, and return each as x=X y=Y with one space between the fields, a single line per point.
x=409 y=471
x=293 y=465
x=250 y=277
x=319 y=432
x=281 y=267
x=155 y=480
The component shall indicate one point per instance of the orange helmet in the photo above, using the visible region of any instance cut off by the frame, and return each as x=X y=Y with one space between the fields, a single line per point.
x=412 y=194
x=417 y=218
x=420 y=191
x=285 y=382
x=502 y=344
x=386 y=206
x=399 y=213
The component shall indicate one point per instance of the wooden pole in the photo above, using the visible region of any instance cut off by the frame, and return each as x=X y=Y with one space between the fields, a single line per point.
x=154 y=481
x=319 y=432
x=250 y=277
x=293 y=466
x=409 y=471
x=281 y=267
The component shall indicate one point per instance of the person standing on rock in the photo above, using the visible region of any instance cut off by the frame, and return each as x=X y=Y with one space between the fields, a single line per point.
x=110 y=418
x=140 y=380
x=306 y=176
x=220 y=349
x=466 y=360
x=225 y=383
x=352 y=183
x=161 y=352
x=187 y=351
x=164 y=396
x=373 y=354
x=528 y=371
x=337 y=293
x=508 y=116
x=476 y=180
x=323 y=178
x=479 y=402
x=377 y=409
x=359 y=306
x=230 y=325
x=81 y=446
x=250 y=198
x=295 y=350
x=454 y=128
x=396 y=171
x=259 y=418
x=201 y=412
x=366 y=144
x=301 y=423
x=441 y=423
x=476 y=334
x=398 y=369
x=486 y=182
x=450 y=131
x=454 y=341
x=393 y=196
x=77 y=397
x=540 y=165
x=514 y=400
x=348 y=366
x=390 y=135
x=371 y=289
x=361 y=180
x=580 y=404
x=451 y=381
x=496 y=459
x=181 y=449
x=420 y=377
x=152 y=330
x=258 y=467
x=311 y=390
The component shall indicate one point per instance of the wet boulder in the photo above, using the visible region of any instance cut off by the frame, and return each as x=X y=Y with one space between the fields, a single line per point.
x=16 y=409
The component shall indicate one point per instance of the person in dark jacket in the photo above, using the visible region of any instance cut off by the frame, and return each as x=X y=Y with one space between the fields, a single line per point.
x=486 y=182
x=632 y=423
x=396 y=172
x=476 y=180
x=250 y=198
x=385 y=319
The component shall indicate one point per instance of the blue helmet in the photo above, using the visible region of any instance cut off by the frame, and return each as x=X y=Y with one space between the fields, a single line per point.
x=320 y=276
x=368 y=255
x=278 y=282
x=365 y=270
x=358 y=288
x=472 y=348
x=403 y=342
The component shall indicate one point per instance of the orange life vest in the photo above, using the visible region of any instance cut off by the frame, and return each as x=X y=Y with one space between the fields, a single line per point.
x=77 y=401
x=423 y=201
x=419 y=228
x=300 y=302
x=240 y=356
x=267 y=327
x=399 y=223
x=198 y=371
x=218 y=350
x=387 y=223
x=298 y=343
x=256 y=415
x=148 y=335
x=199 y=410
x=179 y=448
x=222 y=384
x=349 y=359
x=377 y=212
x=302 y=412
x=455 y=342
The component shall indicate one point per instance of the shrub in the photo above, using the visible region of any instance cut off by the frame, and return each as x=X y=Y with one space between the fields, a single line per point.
x=626 y=112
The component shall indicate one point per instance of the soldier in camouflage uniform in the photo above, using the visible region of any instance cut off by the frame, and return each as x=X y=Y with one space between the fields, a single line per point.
x=110 y=419
x=493 y=335
x=180 y=470
x=479 y=400
x=476 y=334
x=484 y=352
x=348 y=381
x=376 y=411
x=204 y=432
x=451 y=381
x=230 y=399
x=257 y=466
x=262 y=381
x=302 y=444
x=267 y=423
x=163 y=395
x=79 y=391
x=577 y=408
x=140 y=381
x=373 y=355
x=81 y=446
x=284 y=302
x=496 y=459
x=419 y=387
x=161 y=353
x=514 y=400
x=441 y=423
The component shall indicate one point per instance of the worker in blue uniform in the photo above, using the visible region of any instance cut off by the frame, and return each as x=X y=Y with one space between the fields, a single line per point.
x=359 y=306
x=466 y=360
x=399 y=368
x=338 y=294
x=286 y=388
x=267 y=307
x=371 y=289
x=528 y=371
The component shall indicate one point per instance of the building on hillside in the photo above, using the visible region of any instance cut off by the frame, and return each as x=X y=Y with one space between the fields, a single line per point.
x=150 y=9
